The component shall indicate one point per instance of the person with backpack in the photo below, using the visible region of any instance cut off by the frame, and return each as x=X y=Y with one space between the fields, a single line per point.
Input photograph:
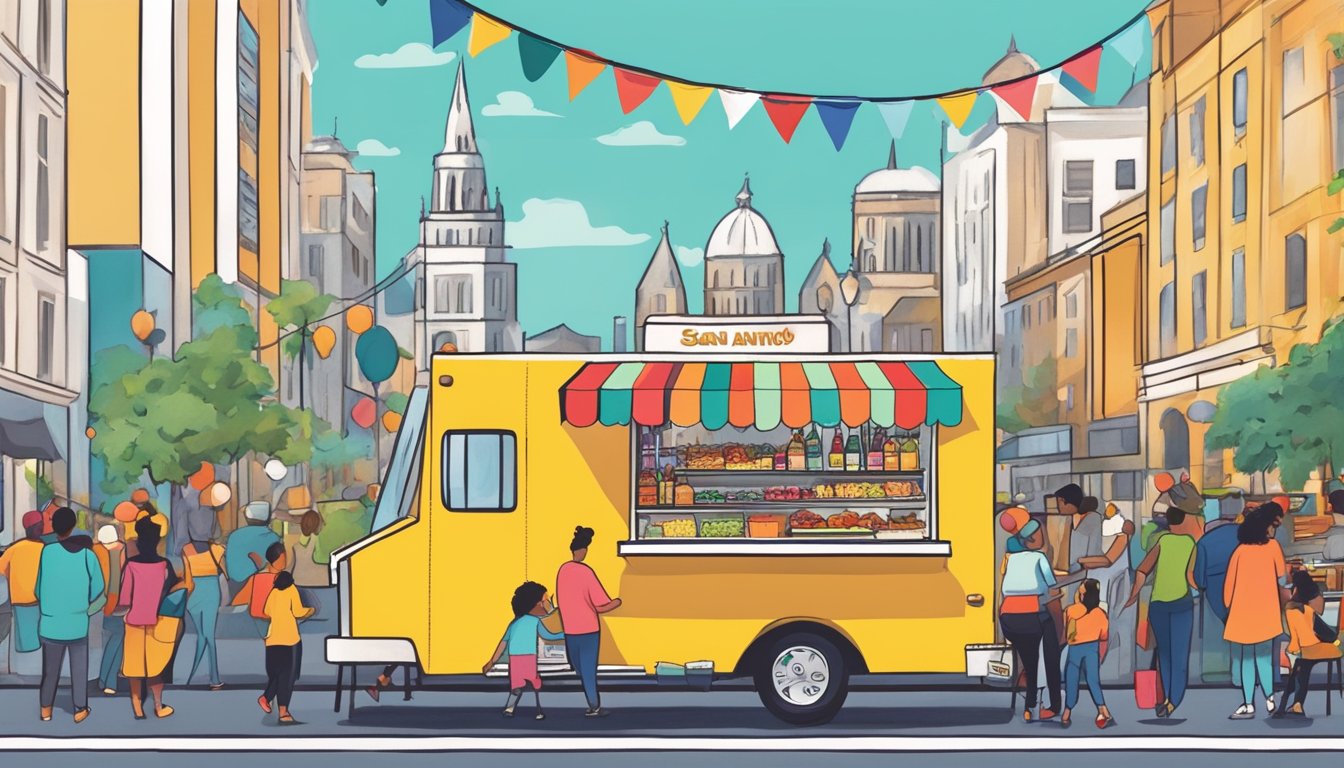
x=258 y=586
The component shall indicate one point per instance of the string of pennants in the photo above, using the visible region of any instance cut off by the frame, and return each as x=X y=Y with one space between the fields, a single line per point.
x=635 y=85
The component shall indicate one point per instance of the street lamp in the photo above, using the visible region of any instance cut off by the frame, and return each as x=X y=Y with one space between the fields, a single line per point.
x=849 y=292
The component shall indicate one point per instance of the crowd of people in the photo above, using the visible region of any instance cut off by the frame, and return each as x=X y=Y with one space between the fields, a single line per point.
x=1146 y=601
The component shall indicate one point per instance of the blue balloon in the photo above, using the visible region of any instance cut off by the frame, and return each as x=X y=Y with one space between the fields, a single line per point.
x=376 y=352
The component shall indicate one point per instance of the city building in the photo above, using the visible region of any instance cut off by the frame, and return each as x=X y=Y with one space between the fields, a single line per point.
x=820 y=295
x=466 y=290
x=744 y=268
x=661 y=290
x=1247 y=128
x=42 y=357
x=562 y=340
x=618 y=334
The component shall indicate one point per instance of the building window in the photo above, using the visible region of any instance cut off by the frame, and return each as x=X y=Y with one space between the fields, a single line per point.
x=1126 y=486
x=44 y=36
x=1238 y=288
x=1071 y=342
x=315 y=258
x=660 y=303
x=4 y=160
x=1197 y=133
x=480 y=471
x=1239 y=103
x=452 y=293
x=1199 y=208
x=356 y=265
x=1239 y=193
x=329 y=217
x=249 y=120
x=1199 y=317
x=1175 y=440
x=1167 y=233
x=716 y=278
x=43 y=184
x=925 y=339
x=1166 y=303
x=1078 y=196
x=46 y=336
x=1295 y=271
x=1336 y=113
x=1071 y=304
x=4 y=325
x=1294 y=80
x=1068 y=397
x=1124 y=174
x=1169 y=144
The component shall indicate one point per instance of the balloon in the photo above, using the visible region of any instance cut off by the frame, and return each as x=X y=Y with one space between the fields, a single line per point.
x=276 y=469
x=216 y=495
x=324 y=340
x=359 y=318
x=364 y=412
x=1164 y=482
x=90 y=433
x=142 y=324
x=125 y=512
x=203 y=476
x=139 y=496
x=391 y=421
x=377 y=354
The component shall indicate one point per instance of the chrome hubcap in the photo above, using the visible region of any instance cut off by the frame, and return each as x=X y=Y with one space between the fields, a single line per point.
x=801 y=675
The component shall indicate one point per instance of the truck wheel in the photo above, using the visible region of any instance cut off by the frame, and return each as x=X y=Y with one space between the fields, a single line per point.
x=802 y=679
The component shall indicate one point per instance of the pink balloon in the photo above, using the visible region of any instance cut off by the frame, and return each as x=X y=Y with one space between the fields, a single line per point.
x=364 y=412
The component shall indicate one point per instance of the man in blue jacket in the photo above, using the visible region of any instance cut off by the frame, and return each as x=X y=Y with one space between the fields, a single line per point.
x=69 y=584
x=1212 y=555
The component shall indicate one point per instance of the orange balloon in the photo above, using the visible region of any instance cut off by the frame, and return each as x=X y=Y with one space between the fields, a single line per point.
x=125 y=512
x=324 y=340
x=139 y=496
x=391 y=421
x=359 y=318
x=90 y=433
x=202 y=477
x=142 y=324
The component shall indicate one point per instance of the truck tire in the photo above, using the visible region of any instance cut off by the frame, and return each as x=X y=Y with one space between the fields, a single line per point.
x=802 y=678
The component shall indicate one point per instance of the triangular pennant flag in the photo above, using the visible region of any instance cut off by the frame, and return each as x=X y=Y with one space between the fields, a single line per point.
x=1018 y=95
x=632 y=88
x=896 y=114
x=786 y=112
x=1084 y=66
x=447 y=18
x=958 y=106
x=1129 y=44
x=485 y=32
x=736 y=104
x=582 y=71
x=536 y=56
x=837 y=117
x=688 y=99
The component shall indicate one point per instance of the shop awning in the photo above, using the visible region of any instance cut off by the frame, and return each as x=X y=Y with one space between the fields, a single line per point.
x=762 y=395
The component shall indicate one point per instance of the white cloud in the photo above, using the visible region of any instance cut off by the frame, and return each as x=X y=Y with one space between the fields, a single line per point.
x=558 y=223
x=641 y=134
x=690 y=257
x=408 y=56
x=376 y=148
x=514 y=104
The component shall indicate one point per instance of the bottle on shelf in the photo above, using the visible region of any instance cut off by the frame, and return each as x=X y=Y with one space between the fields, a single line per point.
x=875 y=460
x=658 y=485
x=836 y=459
x=853 y=453
x=910 y=453
x=647 y=453
x=813 y=449
x=666 y=486
x=891 y=455
x=797 y=453
x=782 y=459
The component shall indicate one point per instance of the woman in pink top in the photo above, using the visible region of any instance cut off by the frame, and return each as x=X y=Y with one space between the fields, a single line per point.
x=581 y=598
x=150 y=639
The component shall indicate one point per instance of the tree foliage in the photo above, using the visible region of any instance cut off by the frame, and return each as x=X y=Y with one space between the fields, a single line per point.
x=299 y=306
x=1034 y=403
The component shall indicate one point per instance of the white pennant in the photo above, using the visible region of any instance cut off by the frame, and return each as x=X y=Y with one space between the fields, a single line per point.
x=737 y=104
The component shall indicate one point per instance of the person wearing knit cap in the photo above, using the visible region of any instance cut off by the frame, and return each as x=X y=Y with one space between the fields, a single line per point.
x=1028 y=583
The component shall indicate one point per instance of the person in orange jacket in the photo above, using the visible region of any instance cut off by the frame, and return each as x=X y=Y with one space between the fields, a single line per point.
x=18 y=564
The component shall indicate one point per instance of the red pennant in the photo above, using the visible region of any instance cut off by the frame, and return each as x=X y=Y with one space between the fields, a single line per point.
x=633 y=88
x=1019 y=95
x=786 y=112
x=1083 y=68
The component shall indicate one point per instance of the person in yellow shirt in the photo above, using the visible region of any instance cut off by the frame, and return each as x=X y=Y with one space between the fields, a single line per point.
x=284 y=608
x=1305 y=647
x=18 y=564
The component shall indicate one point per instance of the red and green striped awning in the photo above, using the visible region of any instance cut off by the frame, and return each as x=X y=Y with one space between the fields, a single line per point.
x=762 y=395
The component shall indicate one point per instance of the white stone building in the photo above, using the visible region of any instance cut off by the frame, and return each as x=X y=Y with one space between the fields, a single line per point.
x=744 y=268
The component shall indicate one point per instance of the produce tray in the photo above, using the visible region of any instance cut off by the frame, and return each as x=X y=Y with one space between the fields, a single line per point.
x=799 y=533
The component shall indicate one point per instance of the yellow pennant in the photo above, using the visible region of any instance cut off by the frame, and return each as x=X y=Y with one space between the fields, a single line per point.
x=958 y=107
x=485 y=32
x=688 y=99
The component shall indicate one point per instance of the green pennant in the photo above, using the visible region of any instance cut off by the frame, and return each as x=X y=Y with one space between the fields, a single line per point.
x=535 y=55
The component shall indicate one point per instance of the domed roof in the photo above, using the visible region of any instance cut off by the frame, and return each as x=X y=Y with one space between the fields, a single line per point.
x=743 y=232
x=325 y=145
x=1012 y=65
x=892 y=179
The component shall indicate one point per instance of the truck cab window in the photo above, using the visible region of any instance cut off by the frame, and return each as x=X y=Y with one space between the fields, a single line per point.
x=480 y=471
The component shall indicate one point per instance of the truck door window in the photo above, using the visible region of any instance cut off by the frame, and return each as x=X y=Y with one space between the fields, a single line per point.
x=480 y=471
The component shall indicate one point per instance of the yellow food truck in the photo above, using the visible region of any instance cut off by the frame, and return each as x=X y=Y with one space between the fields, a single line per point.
x=796 y=519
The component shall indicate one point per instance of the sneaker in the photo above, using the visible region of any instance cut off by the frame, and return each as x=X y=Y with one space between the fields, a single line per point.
x=1244 y=712
x=541 y=716
x=109 y=691
x=1269 y=704
x=596 y=712
x=508 y=712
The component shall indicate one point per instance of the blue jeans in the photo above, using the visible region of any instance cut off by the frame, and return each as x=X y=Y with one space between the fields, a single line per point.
x=1173 y=623
x=1084 y=659
x=1255 y=661
x=114 y=637
x=203 y=610
x=582 y=652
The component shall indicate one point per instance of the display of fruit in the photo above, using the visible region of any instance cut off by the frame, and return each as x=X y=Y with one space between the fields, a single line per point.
x=873 y=522
x=846 y=519
x=804 y=518
x=720 y=529
x=679 y=529
x=909 y=522
x=704 y=457
x=783 y=493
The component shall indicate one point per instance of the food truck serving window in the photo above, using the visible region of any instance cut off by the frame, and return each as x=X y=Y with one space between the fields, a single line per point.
x=807 y=457
x=480 y=471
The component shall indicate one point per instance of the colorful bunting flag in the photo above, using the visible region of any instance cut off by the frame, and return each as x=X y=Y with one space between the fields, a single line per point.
x=536 y=56
x=1018 y=95
x=896 y=114
x=786 y=112
x=582 y=71
x=632 y=88
x=958 y=106
x=736 y=104
x=688 y=99
x=1129 y=44
x=836 y=118
x=485 y=32
x=447 y=18
x=1084 y=67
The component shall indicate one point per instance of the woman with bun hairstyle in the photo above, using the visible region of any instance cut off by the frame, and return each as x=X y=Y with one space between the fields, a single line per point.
x=581 y=598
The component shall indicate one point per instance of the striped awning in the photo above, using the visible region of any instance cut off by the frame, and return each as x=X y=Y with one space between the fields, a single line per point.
x=762 y=395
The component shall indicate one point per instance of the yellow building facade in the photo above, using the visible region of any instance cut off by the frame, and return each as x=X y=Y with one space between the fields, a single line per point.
x=1246 y=130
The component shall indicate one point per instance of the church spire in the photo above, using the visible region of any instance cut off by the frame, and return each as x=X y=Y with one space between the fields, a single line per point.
x=891 y=158
x=459 y=136
x=744 y=196
x=1012 y=43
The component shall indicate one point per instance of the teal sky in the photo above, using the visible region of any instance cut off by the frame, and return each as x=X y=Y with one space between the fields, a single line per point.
x=859 y=47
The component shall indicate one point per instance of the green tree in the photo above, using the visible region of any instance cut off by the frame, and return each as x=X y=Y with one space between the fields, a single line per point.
x=298 y=307
x=1288 y=418
x=1034 y=403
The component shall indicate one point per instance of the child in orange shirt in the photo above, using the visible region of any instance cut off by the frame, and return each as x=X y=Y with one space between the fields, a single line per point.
x=1087 y=630
x=1305 y=648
